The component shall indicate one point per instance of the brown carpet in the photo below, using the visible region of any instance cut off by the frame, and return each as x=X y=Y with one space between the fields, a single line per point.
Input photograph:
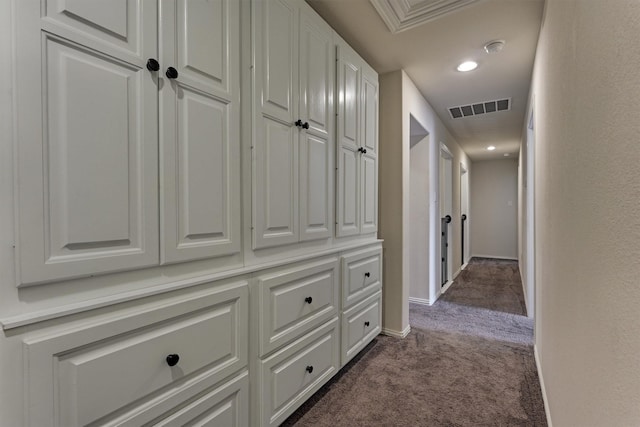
x=468 y=361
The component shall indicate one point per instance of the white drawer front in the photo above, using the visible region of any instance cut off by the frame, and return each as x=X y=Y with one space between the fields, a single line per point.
x=361 y=273
x=105 y=366
x=360 y=325
x=293 y=374
x=295 y=301
x=226 y=406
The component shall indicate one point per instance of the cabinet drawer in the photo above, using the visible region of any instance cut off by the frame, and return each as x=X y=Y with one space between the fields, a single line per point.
x=99 y=370
x=294 y=301
x=292 y=375
x=360 y=325
x=361 y=273
x=226 y=406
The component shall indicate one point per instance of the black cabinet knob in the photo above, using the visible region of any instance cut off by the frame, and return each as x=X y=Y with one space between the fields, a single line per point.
x=364 y=151
x=153 y=65
x=366 y=323
x=309 y=369
x=447 y=219
x=367 y=274
x=298 y=123
x=308 y=300
x=172 y=73
x=173 y=359
x=305 y=125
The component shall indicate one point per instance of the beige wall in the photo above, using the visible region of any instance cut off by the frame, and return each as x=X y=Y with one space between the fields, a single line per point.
x=586 y=88
x=399 y=101
x=494 y=203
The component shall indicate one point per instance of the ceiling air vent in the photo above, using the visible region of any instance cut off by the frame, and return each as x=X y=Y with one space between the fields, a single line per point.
x=480 y=108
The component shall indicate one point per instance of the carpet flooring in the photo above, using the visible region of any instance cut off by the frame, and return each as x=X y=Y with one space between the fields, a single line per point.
x=468 y=361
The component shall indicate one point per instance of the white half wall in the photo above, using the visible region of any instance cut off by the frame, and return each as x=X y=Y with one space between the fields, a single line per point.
x=586 y=87
x=494 y=203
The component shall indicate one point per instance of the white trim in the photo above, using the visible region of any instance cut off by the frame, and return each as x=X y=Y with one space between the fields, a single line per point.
x=447 y=153
x=446 y=287
x=397 y=334
x=465 y=265
x=400 y=16
x=457 y=273
x=542 y=387
x=420 y=301
x=510 y=258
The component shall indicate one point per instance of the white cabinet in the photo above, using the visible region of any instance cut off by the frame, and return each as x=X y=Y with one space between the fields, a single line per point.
x=87 y=135
x=292 y=124
x=200 y=129
x=357 y=145
x=89 y=125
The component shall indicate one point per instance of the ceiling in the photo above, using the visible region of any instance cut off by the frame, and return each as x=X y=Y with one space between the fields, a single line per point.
x=430 y=51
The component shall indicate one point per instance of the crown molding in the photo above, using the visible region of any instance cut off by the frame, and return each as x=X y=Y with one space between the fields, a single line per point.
x=401 y=15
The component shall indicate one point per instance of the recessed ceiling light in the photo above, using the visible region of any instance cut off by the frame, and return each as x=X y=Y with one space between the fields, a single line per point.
x=467 y=66
x=491 y=148
x=506 y=154
x=494 y=46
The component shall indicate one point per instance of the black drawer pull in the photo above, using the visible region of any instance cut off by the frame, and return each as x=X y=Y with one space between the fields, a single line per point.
x=367 y=274
x=173 y=359
x=309 y=369
x=366 y=323
x=308 y=300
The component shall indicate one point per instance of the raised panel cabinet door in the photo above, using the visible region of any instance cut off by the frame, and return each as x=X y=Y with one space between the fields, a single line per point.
x=275 y=136
x=200 y=129
x=369 y=162
x=316 y=71
x=87 y=156
x=348 y=142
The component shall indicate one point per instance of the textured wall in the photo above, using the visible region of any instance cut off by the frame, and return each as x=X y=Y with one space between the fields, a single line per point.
x=586 y=89
x=494 y=204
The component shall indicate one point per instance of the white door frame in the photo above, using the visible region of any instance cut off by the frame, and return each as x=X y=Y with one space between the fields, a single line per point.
x=464 y=209
x=445 y=190
x=530 y=220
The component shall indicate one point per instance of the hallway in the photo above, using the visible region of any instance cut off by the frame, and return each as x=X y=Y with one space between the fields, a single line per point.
x=468 y=360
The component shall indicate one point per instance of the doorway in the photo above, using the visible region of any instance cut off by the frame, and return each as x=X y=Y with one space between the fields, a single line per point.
x=529 y=217
x=464 y=216
x=419 y=214
x=446 y=216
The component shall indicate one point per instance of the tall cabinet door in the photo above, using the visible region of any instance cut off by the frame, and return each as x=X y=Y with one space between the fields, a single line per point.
x=275 y=136
x=369 y=164
x=87 y=108
x=348 y=143
x=316 y=72
x=200 y=129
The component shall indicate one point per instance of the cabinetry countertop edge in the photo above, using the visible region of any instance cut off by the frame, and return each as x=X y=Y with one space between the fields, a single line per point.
x=13 y=322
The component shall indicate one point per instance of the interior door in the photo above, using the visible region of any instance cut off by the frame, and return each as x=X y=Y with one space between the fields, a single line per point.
x=348 y=143
x=200 y=138
x=87 y=138
x=316 y=71
x=275 y=136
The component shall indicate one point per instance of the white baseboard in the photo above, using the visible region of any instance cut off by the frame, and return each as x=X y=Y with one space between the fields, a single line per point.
x=457 y=273
x=542 y=387
x=464 y=266
x=420 y=301
x=446 y=287
x=494 y=257
x=397 y=334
